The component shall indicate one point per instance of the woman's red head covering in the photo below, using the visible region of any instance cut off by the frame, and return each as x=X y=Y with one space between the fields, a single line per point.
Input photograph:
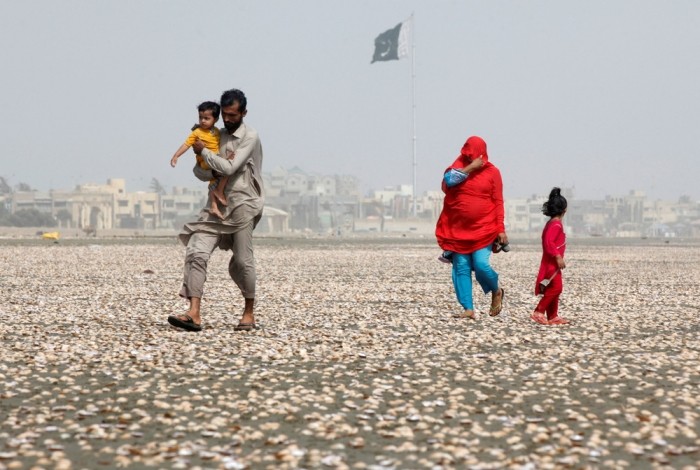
x=469 y=221
x=473 y=148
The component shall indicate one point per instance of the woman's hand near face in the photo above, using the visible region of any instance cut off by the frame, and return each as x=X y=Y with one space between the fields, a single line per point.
x=473 y=165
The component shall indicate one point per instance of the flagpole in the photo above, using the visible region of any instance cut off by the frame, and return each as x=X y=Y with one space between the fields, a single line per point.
x=413 y=108
x=392 y=44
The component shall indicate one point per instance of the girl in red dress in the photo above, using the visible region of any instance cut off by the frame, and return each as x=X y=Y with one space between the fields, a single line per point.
x=549 y=279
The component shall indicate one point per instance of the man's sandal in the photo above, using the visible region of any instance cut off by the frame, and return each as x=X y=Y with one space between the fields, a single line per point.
x=245 y=327
x=187 y=324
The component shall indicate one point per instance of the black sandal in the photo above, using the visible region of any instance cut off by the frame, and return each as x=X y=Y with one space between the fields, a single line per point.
x=188 y=324
x=246 y=327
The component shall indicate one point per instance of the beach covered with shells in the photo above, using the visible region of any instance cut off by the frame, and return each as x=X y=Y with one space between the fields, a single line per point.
x=358 y=362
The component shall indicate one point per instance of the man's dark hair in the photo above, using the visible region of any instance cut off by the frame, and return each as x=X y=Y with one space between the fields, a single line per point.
x=210 y=106
x=555 y=205
x=234 y=96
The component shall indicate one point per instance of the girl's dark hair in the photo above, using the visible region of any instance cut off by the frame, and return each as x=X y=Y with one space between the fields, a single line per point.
x=555 y=205
x=210 y=106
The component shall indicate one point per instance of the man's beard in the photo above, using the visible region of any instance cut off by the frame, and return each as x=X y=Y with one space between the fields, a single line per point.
x=231 y=126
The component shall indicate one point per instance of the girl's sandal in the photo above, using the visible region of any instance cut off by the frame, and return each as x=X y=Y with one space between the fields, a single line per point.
x=539 y=318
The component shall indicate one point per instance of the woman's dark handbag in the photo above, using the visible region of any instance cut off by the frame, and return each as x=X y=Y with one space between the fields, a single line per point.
x=497 y=247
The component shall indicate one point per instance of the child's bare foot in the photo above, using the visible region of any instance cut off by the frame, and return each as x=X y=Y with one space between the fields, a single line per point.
x=220 y=197
x=215 y=211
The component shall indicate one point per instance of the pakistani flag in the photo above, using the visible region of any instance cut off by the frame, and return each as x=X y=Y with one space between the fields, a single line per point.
x=392 y=44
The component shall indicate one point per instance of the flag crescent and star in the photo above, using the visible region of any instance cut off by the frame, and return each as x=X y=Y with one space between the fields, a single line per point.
x=392 y=44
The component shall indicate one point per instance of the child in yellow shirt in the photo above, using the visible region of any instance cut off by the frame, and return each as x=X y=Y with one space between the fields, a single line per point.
x=207 y=133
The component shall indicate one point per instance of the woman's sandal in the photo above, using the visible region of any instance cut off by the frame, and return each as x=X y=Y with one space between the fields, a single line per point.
x=496 y=309
x=558 y=321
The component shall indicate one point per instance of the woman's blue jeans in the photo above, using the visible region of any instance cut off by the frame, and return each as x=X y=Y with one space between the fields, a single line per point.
x=462 y=266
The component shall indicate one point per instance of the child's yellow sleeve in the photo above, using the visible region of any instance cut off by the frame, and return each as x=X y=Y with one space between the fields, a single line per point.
x=191 y=139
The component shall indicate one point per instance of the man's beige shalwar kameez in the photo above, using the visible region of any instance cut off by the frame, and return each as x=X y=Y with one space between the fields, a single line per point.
x=245 y=197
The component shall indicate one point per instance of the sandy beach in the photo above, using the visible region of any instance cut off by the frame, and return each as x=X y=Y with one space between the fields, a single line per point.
x=358 y=362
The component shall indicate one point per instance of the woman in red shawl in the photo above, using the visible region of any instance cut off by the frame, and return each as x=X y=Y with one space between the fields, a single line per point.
x=470 y=222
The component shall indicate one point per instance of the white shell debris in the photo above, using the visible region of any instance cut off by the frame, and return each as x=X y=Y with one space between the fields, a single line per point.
x=358 y=363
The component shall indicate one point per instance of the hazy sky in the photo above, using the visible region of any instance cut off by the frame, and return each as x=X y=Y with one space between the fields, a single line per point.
x=601 y=95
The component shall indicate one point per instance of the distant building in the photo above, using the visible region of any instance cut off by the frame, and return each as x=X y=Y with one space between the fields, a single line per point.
x=88 y=206
x=322 y=203
x=181 y=206
x=301 y=201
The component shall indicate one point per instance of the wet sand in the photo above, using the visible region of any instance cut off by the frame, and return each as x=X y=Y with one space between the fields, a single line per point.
x=358 y=362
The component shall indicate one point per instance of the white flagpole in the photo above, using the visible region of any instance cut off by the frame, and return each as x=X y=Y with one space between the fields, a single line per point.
x=406 y=37
x=413 y=108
